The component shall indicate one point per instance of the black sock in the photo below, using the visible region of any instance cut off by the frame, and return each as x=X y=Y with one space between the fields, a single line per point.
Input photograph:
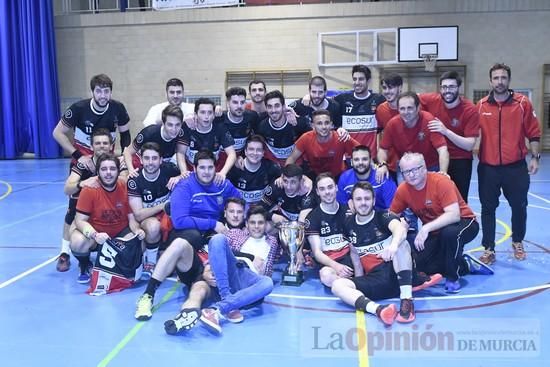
x=152 y=287
x=361 y=303
x=83 y=261
x=404 y=277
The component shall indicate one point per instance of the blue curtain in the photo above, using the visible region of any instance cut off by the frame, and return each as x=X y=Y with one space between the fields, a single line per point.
x=29 y=92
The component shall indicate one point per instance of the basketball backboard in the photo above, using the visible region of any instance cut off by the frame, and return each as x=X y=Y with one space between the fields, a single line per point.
x=416 y=42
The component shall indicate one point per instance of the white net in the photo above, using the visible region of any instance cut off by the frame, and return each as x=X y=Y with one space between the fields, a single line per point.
x=430 y=62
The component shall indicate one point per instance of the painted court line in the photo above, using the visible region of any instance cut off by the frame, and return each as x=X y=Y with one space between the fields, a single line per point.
x=7 y=225
x=133 y=332
x=539 y=197
x=8 y=191
x=25 y=273
x=362 y=340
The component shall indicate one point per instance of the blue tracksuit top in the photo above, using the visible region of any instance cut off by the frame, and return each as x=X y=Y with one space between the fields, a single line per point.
x=197 y=206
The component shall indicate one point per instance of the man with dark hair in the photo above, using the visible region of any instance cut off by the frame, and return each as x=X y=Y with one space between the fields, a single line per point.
x=363 y=171
x=358 y=108
x=102 y=213
x=174 y=97
x=457 y=119
x=278 y=133
x=506 y=119
x=317 y=100
x=168 y=136
x=148 y=194
x=209 y=136
x=82 y=118
x=257 y=91
x=291 y=202
x=239 y=121
x=379 y=244
x=392 y=85
x=256 y=173
x=321 y=148
x=196 y=205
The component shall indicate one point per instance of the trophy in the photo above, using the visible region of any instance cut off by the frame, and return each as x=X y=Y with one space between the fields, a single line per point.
x=291 y=236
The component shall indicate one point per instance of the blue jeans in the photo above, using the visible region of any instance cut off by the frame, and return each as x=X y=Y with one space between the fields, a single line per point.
x=238 y=286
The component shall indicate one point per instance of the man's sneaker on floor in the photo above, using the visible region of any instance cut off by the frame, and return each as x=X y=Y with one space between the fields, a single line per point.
x=488 y=257
x=452 y=287
x=386 y=314
x=144 y=308
x=477 y=266
x=234 y=316
x=63 y=262
x=431 y=280
x=84 y=276
x=185 y=320
x=406 y=311
x=519 y=251
x=147 y=272
x=210 y=317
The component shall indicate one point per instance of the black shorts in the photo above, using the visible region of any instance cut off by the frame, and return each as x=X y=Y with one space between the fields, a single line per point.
x=345 y=260
x=194 y=273
x=193 y=236
x=380 y=283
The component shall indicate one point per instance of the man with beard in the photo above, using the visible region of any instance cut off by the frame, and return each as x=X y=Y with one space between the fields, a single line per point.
x=278 y=133
x=256 y=173
x=81 y=176
x=321 y=148
x=506 y=119
x=84 y=117
x=168 y=136
x=196 y=206
x=392 y=85
x=239 y=121
x=457 y=119
x=378 y=242
x=148 y=194
x=316 y=100
x=209 y=136
x=358 y=109
x=324 y=228
x=174 y=97
x=362 y=171
x=257 y=91
x=102 y=213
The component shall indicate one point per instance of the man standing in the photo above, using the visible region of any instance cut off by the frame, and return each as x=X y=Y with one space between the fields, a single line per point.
x=257 y=91
x=358 y=108
x=317 y=100
x=392 y=85
x=448 y=223
x=362 y=171
x=378 y=242
x=457 y=119
x=84 y=117
x=148 y=194
x=102 y=213
x=506 y=119
x=321 y=148
x=174 y=97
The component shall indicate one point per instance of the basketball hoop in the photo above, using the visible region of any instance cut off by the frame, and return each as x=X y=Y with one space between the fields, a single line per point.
x=430 y=60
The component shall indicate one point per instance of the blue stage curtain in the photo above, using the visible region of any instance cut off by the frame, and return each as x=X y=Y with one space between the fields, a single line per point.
x=29 y=92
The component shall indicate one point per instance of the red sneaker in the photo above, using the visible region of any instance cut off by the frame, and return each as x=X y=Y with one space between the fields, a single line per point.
x=432 y=280
x=386 y=314
x=210 y=318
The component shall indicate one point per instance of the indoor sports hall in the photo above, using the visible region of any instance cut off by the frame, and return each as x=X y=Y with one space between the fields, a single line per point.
x=50 y=49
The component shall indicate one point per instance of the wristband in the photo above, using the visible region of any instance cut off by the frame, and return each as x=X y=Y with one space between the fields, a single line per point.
x=382 y=164
x=76 y=154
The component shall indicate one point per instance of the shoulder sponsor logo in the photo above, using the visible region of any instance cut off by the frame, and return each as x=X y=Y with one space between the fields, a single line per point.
x=139 y=138
x=68 y=114
x=132 y=184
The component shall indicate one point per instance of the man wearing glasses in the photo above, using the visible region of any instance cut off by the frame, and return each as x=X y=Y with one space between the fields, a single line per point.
x=448 y=223
x=457 y=119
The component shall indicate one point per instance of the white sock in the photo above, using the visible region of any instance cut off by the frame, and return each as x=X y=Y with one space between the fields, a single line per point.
x=372 y=307
x=65 y=247
x=151 y=255
x=405 y=291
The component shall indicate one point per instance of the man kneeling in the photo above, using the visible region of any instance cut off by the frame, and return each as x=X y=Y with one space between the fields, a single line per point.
x=382 y=260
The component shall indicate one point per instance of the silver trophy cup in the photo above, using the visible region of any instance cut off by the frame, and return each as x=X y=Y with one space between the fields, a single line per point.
x=291 y=236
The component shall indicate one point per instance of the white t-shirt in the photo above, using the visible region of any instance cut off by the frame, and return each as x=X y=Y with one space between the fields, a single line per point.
x=154 y=116
x=258 y=247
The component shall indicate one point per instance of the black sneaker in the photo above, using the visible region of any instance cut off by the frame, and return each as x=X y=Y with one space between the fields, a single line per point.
x=185 y=320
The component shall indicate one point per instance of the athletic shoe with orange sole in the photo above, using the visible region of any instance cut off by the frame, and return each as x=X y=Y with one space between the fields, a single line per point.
x=488 y=257
x=386 y=314
x=431 y=281
x=406 y=312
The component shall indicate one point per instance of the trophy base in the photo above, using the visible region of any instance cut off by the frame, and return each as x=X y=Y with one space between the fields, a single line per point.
x=294 y=280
